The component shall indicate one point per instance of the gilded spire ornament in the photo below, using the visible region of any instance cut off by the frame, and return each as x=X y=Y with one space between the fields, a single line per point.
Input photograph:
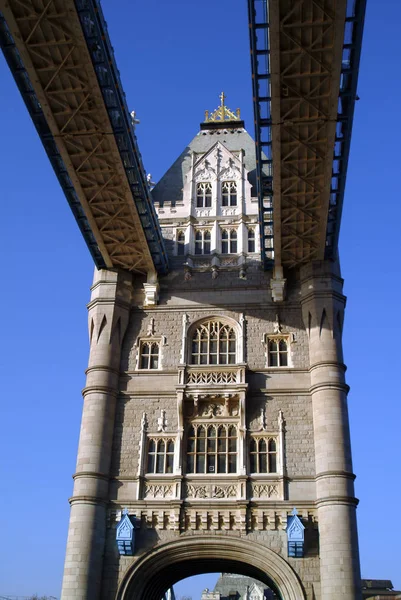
x=222 y=113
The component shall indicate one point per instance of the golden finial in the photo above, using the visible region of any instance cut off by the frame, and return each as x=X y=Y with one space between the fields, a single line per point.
x=222 y=113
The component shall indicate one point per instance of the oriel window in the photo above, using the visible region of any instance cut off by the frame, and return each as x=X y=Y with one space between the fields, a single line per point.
x=213 y=343
x=212 y=449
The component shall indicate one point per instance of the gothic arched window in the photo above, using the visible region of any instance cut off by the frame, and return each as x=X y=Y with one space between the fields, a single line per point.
x=251 y=239
x=229 y=193
x=149 y=355
x=213 y=343
x=229 y=241
x=212 y=449
x=263 y=455
x=202 y=241
x=180 y=243
x=203 y=195
x=160 y=456
x=278 y=352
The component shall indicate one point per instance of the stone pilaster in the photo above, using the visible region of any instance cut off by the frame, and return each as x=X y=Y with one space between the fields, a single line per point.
x=323 y=312
x=108 y=318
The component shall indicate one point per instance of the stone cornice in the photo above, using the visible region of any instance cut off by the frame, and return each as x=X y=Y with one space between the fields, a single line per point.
x=90 y=475
x=329 y=474
x=328 y=363
x=102 y=368
x=335 y=500
x=318 y=387
x=87 y=500
x=92 y=389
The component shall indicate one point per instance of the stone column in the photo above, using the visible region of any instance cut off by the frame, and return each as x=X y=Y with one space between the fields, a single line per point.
x=323 y=312
x=108 y=319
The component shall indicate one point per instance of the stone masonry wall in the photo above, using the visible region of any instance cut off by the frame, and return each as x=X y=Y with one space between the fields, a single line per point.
x=285 y=389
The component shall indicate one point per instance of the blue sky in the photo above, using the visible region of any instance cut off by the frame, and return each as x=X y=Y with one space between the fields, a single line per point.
x=175 y=58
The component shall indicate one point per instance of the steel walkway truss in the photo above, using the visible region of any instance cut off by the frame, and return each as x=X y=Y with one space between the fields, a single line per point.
x=61 y=58
x=305 y=59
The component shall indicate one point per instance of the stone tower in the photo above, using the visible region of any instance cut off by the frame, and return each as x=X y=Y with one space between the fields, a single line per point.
x=212 y=408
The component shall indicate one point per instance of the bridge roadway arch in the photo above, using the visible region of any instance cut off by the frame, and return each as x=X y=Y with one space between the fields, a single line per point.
x=150 y=576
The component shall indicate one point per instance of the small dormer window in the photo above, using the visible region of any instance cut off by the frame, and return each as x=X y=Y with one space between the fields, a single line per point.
x=204 y=195
x=229 y=193
x=229 y=241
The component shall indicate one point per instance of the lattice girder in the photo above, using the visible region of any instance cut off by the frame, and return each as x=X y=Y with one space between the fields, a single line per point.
x=54 y=52
x=306 y=39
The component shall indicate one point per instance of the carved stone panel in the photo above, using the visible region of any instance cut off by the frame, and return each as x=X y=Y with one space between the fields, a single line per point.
x=214 y=491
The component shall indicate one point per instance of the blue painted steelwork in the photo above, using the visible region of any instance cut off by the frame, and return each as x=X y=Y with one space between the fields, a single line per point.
x=260 y=62
x=25 y=87
x=348 y=85
x=100 y=49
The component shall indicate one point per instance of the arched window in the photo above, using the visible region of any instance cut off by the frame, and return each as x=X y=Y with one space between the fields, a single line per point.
x=202 y=241
x=229 y=193
x=203 y=195
x=180 y=243
x=278 y=352
x=229 y=241
x=251 y=239
x=213 y=343
x=263 y=455
x=212 y=449
x=160 y=456
x=149 y=355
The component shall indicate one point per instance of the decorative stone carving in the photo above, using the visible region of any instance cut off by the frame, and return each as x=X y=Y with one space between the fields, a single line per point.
x=229 y=212
x=203 y=212
x=151 y=289
x=277 y=285
x=277 y=325
x=211 y=491
x=156 y=490
x=205 y=172
x=151 y=327
x=211 y=377
x=212 y=410
x=196 y=491
x=229 y=262
x=264 y=490
x=224 y=491
x=162 y=421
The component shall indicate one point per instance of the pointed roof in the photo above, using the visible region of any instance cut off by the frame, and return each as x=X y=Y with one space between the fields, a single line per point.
x=170 y=186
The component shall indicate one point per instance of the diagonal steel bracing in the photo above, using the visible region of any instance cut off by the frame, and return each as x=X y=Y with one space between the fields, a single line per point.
x=61 y=58
x=308 y=53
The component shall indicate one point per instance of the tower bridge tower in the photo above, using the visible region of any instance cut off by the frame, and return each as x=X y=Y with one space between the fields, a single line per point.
x=210 y=410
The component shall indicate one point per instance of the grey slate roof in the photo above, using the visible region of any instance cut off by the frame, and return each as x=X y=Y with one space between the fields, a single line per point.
x=231 y=582
x=169 y=188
